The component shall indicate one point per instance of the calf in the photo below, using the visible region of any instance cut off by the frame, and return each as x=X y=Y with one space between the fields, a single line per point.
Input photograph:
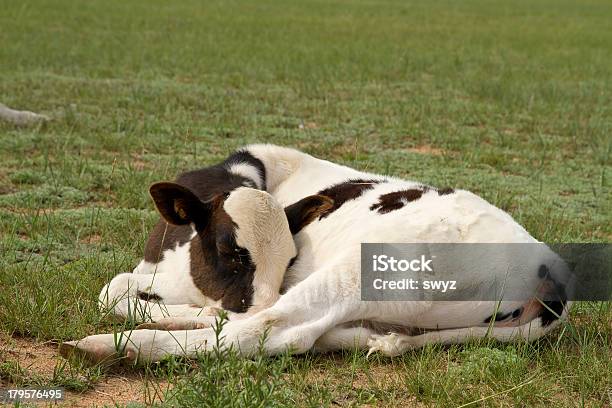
x=233 y=256
x=321 y=307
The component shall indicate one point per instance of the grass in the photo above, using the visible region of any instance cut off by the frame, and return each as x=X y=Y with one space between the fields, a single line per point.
x=510 y=100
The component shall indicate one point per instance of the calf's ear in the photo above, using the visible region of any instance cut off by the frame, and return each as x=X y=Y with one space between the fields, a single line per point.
x=180 y=206
x=306 y=210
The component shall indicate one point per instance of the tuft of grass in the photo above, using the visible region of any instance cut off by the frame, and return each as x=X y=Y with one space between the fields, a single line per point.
x=222 y=378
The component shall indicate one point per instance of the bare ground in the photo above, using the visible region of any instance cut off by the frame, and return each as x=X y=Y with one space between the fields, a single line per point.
x=41 y=359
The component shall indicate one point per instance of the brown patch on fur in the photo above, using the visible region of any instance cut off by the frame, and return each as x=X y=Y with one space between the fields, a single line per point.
x=396 y=200
x=221 y=269
x=149 y=296
x=163 y=237
x=346 y=191
x=202 y=272
x=206 y=184
x=307 y=210
x=445 y=191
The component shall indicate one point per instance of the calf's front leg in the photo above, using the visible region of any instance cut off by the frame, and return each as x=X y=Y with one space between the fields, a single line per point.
x=151 y=297
x=301 y=316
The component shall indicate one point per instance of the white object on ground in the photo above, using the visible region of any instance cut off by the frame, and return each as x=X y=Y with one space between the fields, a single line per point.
x=20 y=118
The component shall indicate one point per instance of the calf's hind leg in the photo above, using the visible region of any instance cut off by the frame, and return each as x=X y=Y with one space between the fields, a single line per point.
x=394 y=344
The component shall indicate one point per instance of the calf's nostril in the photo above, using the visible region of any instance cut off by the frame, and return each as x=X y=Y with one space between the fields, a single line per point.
x=551 y=312
x=543 y=271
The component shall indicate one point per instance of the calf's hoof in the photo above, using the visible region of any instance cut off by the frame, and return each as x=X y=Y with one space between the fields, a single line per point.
x=92 y=352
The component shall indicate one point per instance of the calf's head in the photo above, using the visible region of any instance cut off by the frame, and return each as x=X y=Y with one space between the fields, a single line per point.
x=243 y=242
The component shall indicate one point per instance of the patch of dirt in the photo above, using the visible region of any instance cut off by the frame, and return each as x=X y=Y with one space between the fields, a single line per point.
x=426 y=149
x=91 y=239
x=37 y=357
x=605 y=236
x=6 y=188
x=115 y=388
x=22 y=236
x=138 y=163
x=308 y=125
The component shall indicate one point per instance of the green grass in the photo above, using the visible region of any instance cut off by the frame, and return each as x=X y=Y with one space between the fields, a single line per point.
x=515 y=99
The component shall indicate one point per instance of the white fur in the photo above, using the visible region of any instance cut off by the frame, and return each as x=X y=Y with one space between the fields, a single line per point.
x=247 y=171
x=264 y=231
x=323 y=287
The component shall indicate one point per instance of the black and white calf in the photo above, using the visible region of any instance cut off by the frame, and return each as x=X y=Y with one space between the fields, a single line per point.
x=320 y=305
